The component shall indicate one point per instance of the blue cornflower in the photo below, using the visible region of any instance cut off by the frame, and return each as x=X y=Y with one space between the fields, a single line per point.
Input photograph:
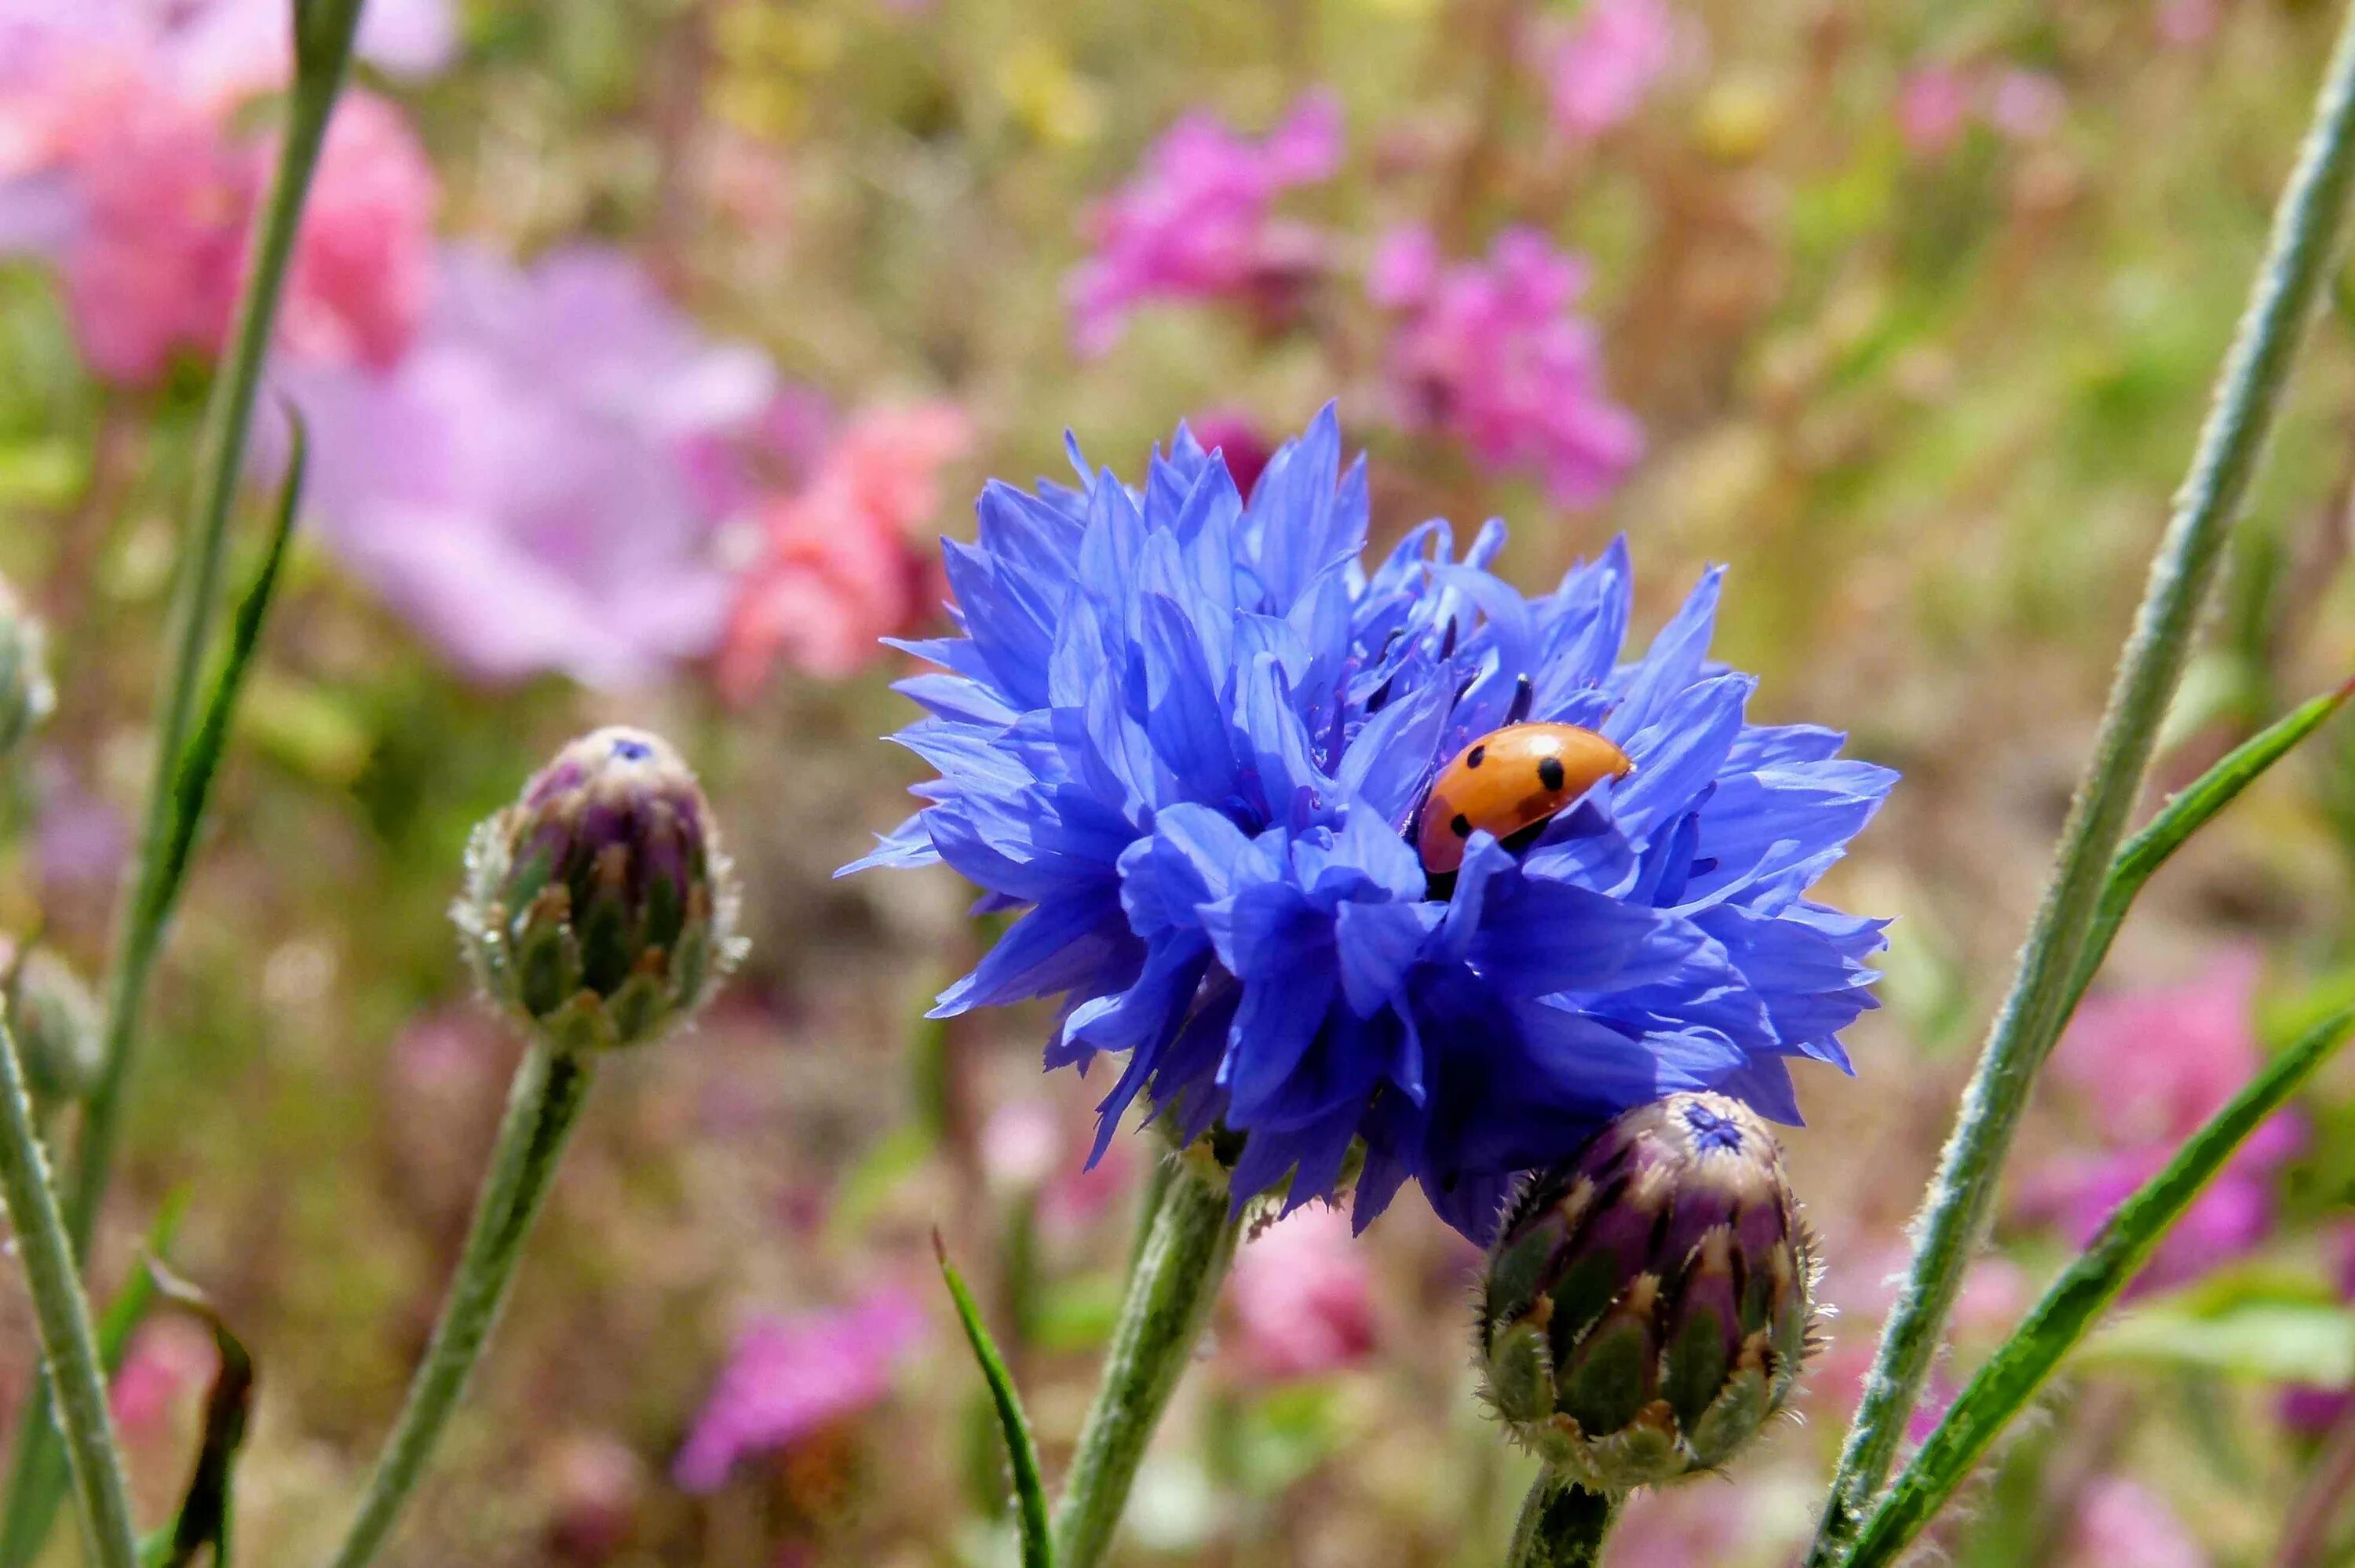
x=1191 y=734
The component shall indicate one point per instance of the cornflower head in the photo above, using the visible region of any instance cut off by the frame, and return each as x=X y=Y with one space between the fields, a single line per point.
x=1493 y=353
x=1194 y=738
x=1197 y=221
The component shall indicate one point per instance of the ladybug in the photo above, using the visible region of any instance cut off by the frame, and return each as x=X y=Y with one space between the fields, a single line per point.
x=1509 y=781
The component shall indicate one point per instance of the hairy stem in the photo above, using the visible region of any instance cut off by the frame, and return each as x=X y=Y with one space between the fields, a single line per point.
x=1170 y=1291
x=323 y=46
x=549 y=1089
x=61 y=1313
x=2308 y=229
x=1562 y=1526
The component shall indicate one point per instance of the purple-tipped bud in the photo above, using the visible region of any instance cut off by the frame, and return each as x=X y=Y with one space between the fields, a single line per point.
x=55 y=1022
x=25 y=697
x=599 y=907
x=1647 y=1305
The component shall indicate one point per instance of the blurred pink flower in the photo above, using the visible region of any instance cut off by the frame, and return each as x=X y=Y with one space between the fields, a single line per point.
x=362 y=263
x=118 y=163
x=1028 y=1146
x=1196 y=222
x=1301 y=1295
x=1601 y=72
x=789 y=1378
x=2026 y=105
x=843 y=564
x=1681 y=1526
x=2123 y=1524
x=1933 y=107
x=168 y=1359
x=1493 y=353
x=519 y=487
x=2149 y=1067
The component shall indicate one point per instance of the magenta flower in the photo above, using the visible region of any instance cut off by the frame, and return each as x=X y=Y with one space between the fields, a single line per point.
x=167 y=1360
x=1236 y=438
x=2150 y=1067
x=1601 y=73
x=1493 y=353
x=519 y=486
x=791 y=1378
x=1301 y=1295
x=1198 y=223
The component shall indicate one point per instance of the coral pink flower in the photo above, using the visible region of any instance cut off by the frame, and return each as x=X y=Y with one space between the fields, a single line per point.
x=1197 y=222
x=790 y=1378
x=1493 y=353
x=840 y=564
x=363 y=261
x=1301 y=1295
x=2150 y=1067
x=1601 y=72
x=1933 y=108
x=2123 y=1524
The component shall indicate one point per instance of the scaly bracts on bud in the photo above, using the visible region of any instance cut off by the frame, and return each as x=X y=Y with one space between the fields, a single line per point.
x=26 y=695
x=1647 y=1305
x=599 y=907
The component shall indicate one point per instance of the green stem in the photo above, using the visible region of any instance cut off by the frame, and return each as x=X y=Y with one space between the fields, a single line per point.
x=62 y=1312
x=1169 y=1294
x=2308 y=229
x=1562 y=1526
x=323 y=44
x=549 y=1087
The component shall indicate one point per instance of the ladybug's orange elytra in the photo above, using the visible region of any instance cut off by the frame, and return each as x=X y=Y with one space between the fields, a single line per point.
x=1510 y=779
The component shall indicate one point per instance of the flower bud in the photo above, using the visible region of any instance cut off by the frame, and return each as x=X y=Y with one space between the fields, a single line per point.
x=26 y=695
x=599 y=907
x=55 y=1022
x=1647 y=1305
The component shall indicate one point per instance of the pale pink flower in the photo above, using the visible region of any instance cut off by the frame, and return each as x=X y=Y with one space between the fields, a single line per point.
x=362 y=263
x=790 y=1378
x=1603 y=70
x=1493 y=353
x=2026 y=105
x=1859 y=1291
x=168 y=1359
x=1197 y=222
x=2122 y=1523
x=843 y=561
x=2150 y=1067
x=1027 y=1145
x=1302 y=1297
x=1934 y=109
x=2186 y=24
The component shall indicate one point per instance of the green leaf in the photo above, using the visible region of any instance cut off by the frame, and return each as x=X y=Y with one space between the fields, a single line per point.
x=2185 y=814
x=131 y=1304
x=2011 y=1378
x=200 y=763
x=204 y=1517
x=1021 y=1452
x=2279 y=1341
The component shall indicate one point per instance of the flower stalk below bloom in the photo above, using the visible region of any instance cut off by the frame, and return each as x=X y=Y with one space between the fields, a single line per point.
x=1177 y=1277
x=1561 y=1525
x=550 y=1089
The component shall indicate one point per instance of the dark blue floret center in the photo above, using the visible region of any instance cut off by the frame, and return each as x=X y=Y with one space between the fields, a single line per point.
x=1713 y=1132
x=632 y=750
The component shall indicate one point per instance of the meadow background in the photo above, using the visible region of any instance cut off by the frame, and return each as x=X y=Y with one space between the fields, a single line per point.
x=648 y=345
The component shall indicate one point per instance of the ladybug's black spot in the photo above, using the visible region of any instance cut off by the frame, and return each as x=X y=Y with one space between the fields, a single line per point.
x=1471 y=757
x=1461 y=826
x=1549 y=772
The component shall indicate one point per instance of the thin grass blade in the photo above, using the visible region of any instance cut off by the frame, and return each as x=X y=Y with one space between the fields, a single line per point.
x=1021 y=1450
x=2010 y=1377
